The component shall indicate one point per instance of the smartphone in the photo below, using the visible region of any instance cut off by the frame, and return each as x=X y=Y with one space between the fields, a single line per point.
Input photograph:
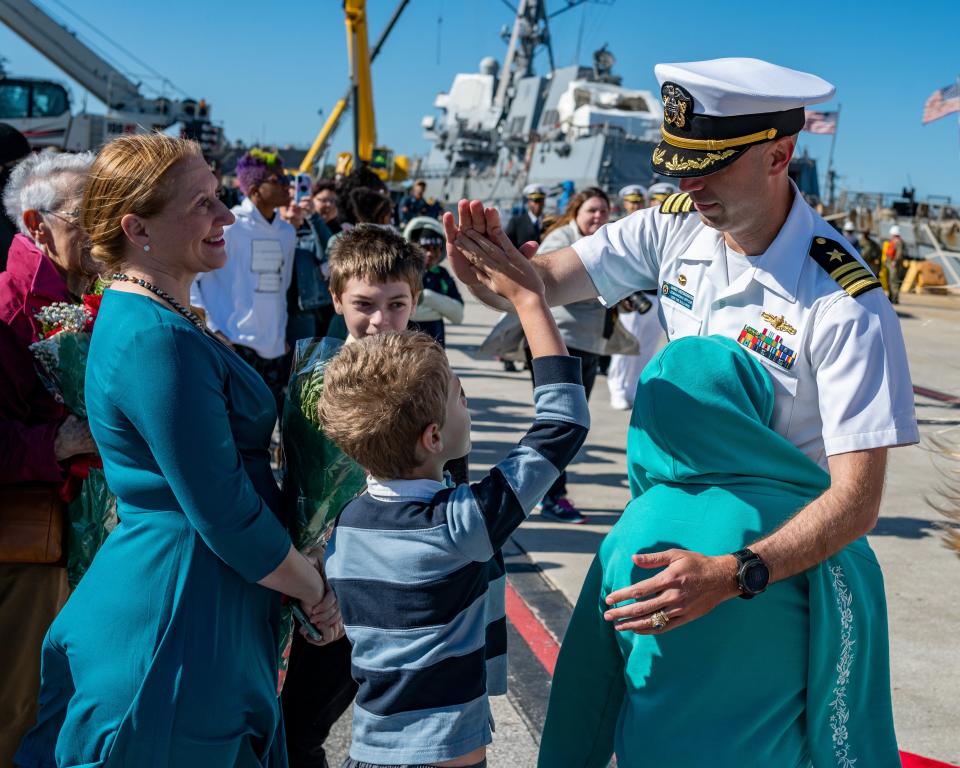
x=304 y=185
x=301 y=617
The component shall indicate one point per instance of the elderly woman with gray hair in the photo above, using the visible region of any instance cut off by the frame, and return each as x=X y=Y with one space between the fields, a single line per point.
x=48 y=261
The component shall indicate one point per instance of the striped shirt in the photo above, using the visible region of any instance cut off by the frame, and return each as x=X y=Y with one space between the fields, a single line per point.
x=417 y=569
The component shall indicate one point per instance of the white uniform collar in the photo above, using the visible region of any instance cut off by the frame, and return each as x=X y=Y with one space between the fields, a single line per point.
x=779 y=267
x=403 y=490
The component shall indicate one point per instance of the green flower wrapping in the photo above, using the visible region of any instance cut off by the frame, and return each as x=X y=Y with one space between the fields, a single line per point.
x=61 y=362
x=92 y=516
x=62 y=366
x=320 y=478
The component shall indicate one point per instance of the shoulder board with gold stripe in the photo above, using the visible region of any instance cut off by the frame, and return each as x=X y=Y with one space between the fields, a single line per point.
x=678 y=202
x=842 y=266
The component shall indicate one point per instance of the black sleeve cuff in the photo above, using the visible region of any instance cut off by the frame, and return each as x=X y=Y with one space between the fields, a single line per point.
x=557 y=369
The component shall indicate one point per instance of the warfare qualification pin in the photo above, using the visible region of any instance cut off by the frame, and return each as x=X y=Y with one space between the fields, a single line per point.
x=676 y=104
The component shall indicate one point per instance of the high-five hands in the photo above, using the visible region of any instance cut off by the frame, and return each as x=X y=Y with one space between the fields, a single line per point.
x=481 y=255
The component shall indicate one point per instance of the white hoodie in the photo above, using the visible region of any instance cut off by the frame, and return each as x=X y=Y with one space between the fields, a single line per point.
x=246 y=300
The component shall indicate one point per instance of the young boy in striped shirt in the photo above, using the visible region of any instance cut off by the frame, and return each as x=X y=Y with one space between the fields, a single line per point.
x=415 y=565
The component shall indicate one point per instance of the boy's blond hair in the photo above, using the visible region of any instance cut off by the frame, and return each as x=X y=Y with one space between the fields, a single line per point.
x=379 y=394
x=376 y=254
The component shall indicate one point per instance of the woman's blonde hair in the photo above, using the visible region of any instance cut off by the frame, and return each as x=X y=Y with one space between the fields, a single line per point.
x=128 y=177
x=573 y=207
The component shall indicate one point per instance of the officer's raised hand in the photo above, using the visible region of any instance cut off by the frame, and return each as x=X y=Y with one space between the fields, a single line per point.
x=470 y=242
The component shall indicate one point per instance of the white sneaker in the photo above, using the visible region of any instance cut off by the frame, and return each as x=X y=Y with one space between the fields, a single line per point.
x=619 y=403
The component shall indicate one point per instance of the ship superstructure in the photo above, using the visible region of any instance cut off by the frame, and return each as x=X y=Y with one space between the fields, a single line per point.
x=499 y=129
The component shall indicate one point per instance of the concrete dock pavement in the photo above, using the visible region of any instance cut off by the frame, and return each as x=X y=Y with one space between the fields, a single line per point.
x=548 y=561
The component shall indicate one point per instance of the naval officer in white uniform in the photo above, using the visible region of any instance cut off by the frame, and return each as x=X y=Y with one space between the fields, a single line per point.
x=739 y=253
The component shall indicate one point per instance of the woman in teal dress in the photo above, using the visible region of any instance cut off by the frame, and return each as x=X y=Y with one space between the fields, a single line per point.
x=799 y=675
x=166 y=654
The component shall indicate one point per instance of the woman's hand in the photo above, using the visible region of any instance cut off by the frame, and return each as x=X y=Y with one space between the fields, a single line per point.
x=326 y=619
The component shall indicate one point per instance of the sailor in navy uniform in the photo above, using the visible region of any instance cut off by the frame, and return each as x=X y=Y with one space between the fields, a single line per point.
x=739 y=253
x=415 y=204
x=633 y=197
x=528 y=225
x=660 y=191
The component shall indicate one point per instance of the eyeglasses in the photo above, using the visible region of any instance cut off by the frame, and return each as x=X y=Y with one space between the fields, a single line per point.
x=280 y=181
x=68 y=217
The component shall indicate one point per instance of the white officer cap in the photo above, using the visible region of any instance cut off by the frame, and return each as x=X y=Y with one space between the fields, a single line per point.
x=535 y=192
x=715 y=110
x=662 y=190
x=633 y=193
x=894 y=230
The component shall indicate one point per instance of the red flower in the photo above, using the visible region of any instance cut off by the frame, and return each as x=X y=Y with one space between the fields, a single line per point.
x=92 y=302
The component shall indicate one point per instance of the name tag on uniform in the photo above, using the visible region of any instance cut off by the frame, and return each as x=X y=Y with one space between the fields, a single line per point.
x=767 y=345
x=677 y=294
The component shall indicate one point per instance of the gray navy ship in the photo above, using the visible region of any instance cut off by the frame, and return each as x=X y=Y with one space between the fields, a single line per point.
x=502 y=128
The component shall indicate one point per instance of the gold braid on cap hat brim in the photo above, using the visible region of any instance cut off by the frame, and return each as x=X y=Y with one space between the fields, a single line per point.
x=712 y=145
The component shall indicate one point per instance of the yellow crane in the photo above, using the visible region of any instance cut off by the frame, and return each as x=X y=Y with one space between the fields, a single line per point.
x=365 y=150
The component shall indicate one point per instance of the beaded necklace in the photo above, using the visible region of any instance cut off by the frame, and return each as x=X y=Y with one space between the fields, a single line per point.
x=193 y=317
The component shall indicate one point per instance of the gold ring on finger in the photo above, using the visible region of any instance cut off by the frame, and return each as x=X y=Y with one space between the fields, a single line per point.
x=660 y=620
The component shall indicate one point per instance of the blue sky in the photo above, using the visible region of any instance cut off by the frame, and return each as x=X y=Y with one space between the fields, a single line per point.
x=268 y=68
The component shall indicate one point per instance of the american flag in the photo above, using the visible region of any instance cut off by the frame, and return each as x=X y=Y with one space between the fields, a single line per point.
x=941 y=103
x=820 y=122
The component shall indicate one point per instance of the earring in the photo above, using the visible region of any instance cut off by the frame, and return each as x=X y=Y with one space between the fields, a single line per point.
x=146 y=248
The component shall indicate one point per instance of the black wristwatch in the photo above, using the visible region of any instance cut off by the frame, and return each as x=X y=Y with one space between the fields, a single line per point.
x=752 y=575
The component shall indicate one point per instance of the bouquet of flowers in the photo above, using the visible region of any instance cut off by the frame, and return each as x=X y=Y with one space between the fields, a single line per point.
x=319 y=478
x=61 y=358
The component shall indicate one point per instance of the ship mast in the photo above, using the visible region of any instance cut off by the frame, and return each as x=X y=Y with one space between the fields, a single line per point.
x=529 y=30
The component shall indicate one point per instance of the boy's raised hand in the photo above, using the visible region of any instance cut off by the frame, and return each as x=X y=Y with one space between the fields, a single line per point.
x=471 y=244
x=499 y=267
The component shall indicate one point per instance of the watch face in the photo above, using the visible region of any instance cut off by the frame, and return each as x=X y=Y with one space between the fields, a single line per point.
x=755 y=577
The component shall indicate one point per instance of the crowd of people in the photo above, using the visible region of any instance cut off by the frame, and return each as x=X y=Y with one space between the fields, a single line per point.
x=755 y=458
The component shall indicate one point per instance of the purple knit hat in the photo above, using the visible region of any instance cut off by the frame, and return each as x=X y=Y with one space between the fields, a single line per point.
x=255 y=166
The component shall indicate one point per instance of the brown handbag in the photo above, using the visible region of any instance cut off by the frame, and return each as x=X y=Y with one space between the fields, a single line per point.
x=31 y=523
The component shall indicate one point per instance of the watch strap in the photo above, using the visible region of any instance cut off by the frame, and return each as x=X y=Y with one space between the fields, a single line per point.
x=745 y=556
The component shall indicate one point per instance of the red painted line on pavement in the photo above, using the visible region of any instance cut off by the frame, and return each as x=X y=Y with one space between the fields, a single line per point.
x=532 y=630
x=546 y=649
x=916 y=761
x=935 y=394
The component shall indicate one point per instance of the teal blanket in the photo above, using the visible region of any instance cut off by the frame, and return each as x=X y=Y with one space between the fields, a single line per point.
x=798 y=676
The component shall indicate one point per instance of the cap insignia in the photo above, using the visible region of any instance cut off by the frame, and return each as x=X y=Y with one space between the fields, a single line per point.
x=677 y=103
